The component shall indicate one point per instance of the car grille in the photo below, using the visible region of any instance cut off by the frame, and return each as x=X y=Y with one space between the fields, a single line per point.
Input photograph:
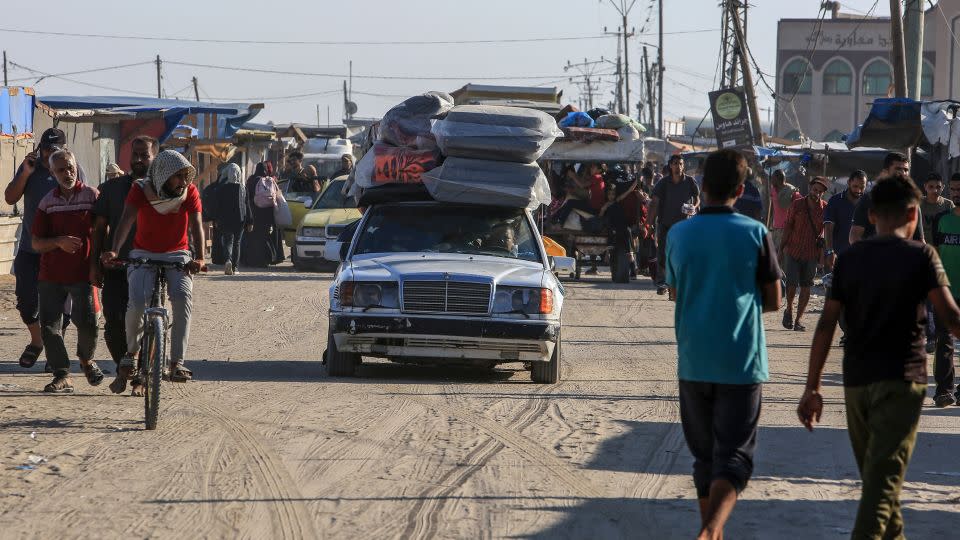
x=472 y=344
x=446 y=297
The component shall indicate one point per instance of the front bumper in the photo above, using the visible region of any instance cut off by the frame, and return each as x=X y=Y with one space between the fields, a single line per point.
x=445 y=338
x=310 y=248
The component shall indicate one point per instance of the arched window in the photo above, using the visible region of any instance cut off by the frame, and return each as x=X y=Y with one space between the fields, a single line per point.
x=837 y=78
x=926 y=79
x=876 y=78
x=834 y=136
x=792 y=135
x=797 y=77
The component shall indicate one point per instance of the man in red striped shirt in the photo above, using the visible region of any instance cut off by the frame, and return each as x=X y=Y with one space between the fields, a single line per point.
x=61 y=233
x=803 y=244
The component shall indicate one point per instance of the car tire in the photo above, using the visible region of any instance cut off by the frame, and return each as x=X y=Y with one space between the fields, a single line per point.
x=548 y=372
x=340 y=364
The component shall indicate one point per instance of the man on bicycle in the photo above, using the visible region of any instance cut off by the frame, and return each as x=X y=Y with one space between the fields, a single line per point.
x=166 y=209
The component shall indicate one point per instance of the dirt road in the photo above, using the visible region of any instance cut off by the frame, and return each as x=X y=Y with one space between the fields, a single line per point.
x=264 y=445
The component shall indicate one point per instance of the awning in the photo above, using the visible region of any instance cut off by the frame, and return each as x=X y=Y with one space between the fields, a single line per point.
x=892 y=123
x=212 y=120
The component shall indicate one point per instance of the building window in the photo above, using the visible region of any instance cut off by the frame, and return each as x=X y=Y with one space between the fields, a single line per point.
x=792 y=135
x=837 y=78
x=876 y=78
x=797 y=77
x=834 y=136
x=926 y=79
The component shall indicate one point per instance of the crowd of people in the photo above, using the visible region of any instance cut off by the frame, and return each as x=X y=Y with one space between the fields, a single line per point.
x=884 y=315
x=77 y=239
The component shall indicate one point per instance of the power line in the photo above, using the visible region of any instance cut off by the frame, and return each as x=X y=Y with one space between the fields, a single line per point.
x=81 y=72
x=343 y=76
x=54 y=76
x=351 y=43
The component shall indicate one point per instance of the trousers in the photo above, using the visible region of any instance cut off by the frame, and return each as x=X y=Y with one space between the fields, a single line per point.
x=180 y=290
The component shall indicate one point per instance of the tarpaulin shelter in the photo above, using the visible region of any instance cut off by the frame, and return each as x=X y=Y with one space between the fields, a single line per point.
x=16 y=111
x=892 y=123
x=198 y=127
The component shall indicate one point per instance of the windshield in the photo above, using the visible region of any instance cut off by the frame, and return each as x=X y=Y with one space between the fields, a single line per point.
x=333 y=198
x=325 y=168
x=479 y=230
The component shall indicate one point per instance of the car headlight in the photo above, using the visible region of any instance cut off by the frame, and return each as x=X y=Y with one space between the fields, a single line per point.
x=370 y=294
x=313 y=232
x=529 y=300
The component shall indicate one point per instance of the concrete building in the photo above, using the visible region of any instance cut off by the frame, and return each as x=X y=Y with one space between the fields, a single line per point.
x=829 y=72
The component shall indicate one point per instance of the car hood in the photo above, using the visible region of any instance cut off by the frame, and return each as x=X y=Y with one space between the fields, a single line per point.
x=407 y=265
x=330 y=216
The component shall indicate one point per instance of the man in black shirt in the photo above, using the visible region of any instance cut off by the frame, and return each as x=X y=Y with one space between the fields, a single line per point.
x=884 y=362
x=107 y=211
x=895 y=164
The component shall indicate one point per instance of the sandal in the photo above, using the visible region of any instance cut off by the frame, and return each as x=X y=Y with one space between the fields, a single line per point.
x=124 y=372
x=29 y=356
x=93 y=373
x=59 y=385
x=797 y=327
x=179 y=373
x=787 y=320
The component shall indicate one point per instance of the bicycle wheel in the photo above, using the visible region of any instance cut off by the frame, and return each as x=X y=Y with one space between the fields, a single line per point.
x=152 y=369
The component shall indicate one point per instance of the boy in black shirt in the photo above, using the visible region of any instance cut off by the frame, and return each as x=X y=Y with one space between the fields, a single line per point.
x=884 y=361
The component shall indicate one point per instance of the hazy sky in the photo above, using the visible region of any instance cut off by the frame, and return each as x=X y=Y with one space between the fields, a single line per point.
x=690 y=58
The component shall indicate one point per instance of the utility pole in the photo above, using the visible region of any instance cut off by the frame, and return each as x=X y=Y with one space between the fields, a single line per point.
x=660 y=72
x=913 y=39
x=744 y=54
x=159 y=91
x=196 y=89
x=624 y=10
x=651 y=110
x=587 y=70
x=898 y=53
x=620 y=74
x=318 y=115
x=5 y=68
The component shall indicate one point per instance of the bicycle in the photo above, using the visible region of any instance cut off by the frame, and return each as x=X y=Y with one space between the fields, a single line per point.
x=153 y=345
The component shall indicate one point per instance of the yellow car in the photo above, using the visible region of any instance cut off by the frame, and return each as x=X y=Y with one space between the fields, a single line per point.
x=326 y=219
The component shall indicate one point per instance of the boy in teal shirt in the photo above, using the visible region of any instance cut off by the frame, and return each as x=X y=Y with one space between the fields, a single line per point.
x=722 y=270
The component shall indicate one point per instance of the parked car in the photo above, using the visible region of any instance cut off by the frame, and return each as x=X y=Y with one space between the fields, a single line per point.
x=324 y=221
x=435 y=283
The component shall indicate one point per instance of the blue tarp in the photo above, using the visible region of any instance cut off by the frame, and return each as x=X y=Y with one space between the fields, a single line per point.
x=230 y=116
x=892 y=123
x=16 y=111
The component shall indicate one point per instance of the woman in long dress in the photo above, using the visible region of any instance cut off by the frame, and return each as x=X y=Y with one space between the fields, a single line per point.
x=259 y=246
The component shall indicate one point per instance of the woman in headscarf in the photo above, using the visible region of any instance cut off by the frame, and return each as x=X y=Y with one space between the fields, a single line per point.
x=278 y=250
x=259 y=245
x=234 y=214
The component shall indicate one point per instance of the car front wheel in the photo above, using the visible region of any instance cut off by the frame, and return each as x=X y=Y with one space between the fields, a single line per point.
x=340 y=364
x=548 y=372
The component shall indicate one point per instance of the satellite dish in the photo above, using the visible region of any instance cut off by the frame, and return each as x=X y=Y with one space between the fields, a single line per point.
x=351 y=107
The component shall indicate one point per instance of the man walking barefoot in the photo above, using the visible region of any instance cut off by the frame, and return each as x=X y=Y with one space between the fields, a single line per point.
x=723 y=271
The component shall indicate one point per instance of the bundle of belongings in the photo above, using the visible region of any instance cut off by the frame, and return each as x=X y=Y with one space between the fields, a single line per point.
x=473 y=154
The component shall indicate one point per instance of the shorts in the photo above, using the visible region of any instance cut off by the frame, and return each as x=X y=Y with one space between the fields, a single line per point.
x=799 y=273
x=720 y=427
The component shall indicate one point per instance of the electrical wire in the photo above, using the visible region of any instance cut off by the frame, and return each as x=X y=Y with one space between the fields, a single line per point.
x=102 y=87
x=81 y=72
x=350 y=43
x=344 y=75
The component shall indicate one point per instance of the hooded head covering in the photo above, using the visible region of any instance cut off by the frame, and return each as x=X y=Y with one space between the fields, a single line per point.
x=113 y=171
x=230 y=174
x=261 y=169
x=165 y=165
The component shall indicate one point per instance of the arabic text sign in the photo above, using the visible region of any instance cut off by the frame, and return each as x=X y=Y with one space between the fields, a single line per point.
x=730 y=118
